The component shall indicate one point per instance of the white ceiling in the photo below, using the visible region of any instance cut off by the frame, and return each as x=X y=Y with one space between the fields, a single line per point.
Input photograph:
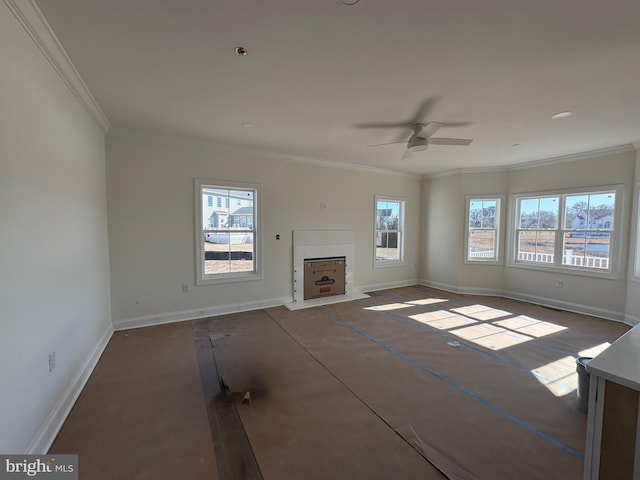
x=316 y=69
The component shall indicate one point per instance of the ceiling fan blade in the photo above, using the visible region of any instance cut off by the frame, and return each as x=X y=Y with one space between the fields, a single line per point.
x=420 y=114
x=390 y=143
x=450 y=141
x=423 y=110
x=456 y=124
x=431 y=128
x=407 y=154
x=381 y=125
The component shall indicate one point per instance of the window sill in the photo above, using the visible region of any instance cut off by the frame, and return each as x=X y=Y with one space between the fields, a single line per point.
x=483 y=262
x=228 y=278
x=387 y=264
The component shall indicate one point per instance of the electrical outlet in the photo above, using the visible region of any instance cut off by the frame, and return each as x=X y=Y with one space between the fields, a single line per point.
x=185 y=288
x=559 y=284
x=52 y=361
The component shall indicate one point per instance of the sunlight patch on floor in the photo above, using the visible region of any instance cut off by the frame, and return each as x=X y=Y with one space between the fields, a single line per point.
x=387 y=307
x=427 y=301
x=530 y=326
x=481 y=312
x=559 y=376
x=442 y=319
x=594 y=351
x=491 y=336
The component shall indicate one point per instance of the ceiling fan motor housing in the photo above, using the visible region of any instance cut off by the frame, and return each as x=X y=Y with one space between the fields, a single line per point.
x=417 y=144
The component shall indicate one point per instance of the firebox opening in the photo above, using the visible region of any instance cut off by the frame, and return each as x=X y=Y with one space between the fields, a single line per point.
x=324 y=277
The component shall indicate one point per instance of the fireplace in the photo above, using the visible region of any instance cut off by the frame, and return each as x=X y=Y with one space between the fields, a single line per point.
x=334 y=249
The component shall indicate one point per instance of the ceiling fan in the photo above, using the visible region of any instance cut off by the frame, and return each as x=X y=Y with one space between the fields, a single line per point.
x=422 y=138
x=422 y=135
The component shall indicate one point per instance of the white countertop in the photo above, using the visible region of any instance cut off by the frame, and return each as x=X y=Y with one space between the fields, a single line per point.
x=620 y=362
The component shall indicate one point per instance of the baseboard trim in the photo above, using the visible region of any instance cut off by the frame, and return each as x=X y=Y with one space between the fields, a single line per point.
x=490 y=292
x=193 y=314
x=568 y=306
x=385 y=286
x=631 y=320
x=52 y=425
x=613 y=315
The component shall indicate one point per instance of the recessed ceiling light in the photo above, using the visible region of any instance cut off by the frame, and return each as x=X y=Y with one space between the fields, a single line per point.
x=349 y=2
x=561 y=115
x=248 y=125
x=241 y=51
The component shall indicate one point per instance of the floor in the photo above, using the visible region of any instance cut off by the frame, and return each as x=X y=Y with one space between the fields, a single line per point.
x=410 y=383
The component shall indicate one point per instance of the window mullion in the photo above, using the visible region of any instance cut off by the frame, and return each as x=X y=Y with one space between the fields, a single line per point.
x=559 y=247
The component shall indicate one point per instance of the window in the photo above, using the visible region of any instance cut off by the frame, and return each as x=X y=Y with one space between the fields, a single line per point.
x=209 y=201
x=389 y=231
x=573 y=230
x=227 y=239
x=483 y=223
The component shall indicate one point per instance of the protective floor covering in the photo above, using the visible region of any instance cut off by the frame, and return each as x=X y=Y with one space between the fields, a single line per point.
x=302 y=422
x=482 y=388
x=141 y=414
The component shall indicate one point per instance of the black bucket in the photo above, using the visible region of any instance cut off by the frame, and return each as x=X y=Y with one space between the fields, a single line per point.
x=583 y=383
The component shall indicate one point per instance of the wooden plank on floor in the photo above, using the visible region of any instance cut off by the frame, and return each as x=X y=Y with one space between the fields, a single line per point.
x=233 y=451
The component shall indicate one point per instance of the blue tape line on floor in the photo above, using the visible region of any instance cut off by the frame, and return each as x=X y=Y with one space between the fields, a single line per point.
x=534 y=341
x=582 y=334
x=454 y=385
x=428 y=330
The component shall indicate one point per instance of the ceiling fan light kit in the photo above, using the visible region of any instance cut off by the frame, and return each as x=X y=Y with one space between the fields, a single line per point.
x=418 y=144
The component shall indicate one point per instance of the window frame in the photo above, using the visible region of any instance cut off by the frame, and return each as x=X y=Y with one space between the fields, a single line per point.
x=612 y=272
x=402 y=201
x=227 y=277
x=497 y=258
x=634 y=242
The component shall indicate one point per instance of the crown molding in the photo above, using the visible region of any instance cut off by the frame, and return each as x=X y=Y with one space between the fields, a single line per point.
x=356 y=167
x=576 y=156
x=257 y=151
x=33 y=21
x=626 y=148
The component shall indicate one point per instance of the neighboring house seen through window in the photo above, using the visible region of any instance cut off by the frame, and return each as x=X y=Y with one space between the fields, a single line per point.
x=226 y=238
x=389 y=231
x=574 y=230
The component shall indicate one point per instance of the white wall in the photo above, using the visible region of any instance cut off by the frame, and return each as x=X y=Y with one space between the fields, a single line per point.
x=442 y=222
x=443 y=200
x=54 y=270
x=632 y=313
x=150 y=182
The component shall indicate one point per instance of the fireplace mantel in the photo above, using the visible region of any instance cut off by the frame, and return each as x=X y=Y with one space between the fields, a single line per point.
x=321 y=244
